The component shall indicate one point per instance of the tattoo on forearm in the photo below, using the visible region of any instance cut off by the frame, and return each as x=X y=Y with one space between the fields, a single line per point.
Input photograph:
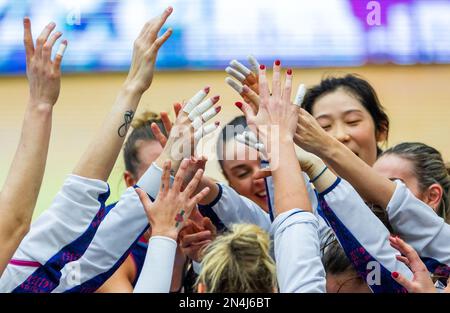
x=128 y=117
x=179 y=218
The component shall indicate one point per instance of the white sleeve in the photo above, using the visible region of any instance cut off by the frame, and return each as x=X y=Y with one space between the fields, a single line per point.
x=89 y=256
x=297 y=252
x=156 y=274
x=363 y=237
x=418 y=224
x=324 y=230
x=76 y=211
x=232 y=208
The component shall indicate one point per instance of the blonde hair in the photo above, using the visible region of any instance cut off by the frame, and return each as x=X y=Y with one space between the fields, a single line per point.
x=239 y=261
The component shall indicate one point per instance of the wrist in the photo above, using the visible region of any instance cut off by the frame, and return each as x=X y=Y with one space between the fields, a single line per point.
x=132 y=88
x=40 y=107
x=165 y=232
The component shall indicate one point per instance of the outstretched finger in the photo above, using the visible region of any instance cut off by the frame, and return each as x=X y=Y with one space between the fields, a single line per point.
x=179 y=177
x=193 y=184
x=164 y=16
x=262 y=173
x=145 y=199
x=48 y=46
x=195 y=100
x=276 y=80
x=28 y=38
x=42 y=39
x=160 y=41
x=59 y=55
x=198 y=197
x=252 y=96
x=166 y=122
x=177 y=108
x=287 y=91
x=165 y=178
x=158 y=134
x=263 y=86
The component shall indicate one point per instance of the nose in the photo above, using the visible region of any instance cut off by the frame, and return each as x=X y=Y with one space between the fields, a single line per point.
x=340 y=132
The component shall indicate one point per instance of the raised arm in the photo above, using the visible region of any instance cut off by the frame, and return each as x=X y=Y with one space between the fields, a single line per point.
x=21 y=189
x=100 y=157
x=166 y=216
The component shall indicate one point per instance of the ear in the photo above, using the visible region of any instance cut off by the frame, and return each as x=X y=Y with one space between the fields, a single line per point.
x=382 y=134
x=433 y=196
x=129 y=179
x=201 y=288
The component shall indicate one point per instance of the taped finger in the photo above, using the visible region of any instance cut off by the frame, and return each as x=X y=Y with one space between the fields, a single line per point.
x=240 y=67
x=233 y=84
x=195 y=100
x=231 y=71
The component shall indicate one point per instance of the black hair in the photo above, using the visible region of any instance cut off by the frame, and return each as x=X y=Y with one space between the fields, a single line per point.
x=357 y=87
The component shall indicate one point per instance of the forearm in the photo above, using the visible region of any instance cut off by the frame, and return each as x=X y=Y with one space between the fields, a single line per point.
x=371 y=186
x=26 y=172
x=99 y=159
x=289 y=193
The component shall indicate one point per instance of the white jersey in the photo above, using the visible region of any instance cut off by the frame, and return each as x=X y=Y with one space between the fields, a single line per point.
x=297 y=252
x=418 y=224
x=156 y=274
x=74 y=246
x=363 y=237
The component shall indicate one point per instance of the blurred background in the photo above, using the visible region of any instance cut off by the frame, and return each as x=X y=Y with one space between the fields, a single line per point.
x=402 y=47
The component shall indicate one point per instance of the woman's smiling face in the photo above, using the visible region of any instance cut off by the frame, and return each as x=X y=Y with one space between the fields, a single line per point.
x=344 y=117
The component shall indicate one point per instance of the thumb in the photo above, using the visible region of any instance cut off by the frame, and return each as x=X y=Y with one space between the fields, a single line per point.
x=246 y=109
x=262 y=173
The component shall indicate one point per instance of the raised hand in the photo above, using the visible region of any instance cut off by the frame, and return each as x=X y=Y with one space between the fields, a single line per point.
x=277 y=117
x=146 y=48
x=195 y=237
x=173 y=205
x=421 y=282
x=189 y=128
x=247 y=86
x=44 y=75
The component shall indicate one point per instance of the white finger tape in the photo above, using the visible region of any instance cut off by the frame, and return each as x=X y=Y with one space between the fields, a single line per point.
x=230 y=81
x=203 y=131
x=235 y=74
x=199 y=109
x=61 y=49
x=240 y=67
x=301 y=91
x=254 y=63
x=194 y=101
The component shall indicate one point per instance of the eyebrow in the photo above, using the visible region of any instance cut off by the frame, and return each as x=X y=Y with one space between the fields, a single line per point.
x=345 y=113
x=237 y=167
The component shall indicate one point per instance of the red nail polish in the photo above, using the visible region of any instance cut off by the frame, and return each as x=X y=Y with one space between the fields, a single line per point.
x=238 y=104
x=216 y=98
x=395 y=274
x=217 y=123
x=262 y=67
x=206 y=89
x=218 y=109
x=277 y=62
x=289 y=71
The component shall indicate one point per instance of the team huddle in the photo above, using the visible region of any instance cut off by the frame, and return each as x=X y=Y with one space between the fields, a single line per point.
x=312 y=203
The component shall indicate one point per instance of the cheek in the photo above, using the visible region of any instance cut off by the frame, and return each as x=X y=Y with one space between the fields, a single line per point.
x=242 y=186
x=364 y=137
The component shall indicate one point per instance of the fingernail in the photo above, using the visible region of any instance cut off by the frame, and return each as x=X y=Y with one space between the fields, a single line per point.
x=238 y=104
x=245 y=89
x=289 y=71
x=217 y=123
x=52 y=24
x=218 y=109
x=206 y=89
x=169 y=9
x=262 y=67
x=277 y=62
x=216 y=98
x=395 y=274
x=64 y=42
